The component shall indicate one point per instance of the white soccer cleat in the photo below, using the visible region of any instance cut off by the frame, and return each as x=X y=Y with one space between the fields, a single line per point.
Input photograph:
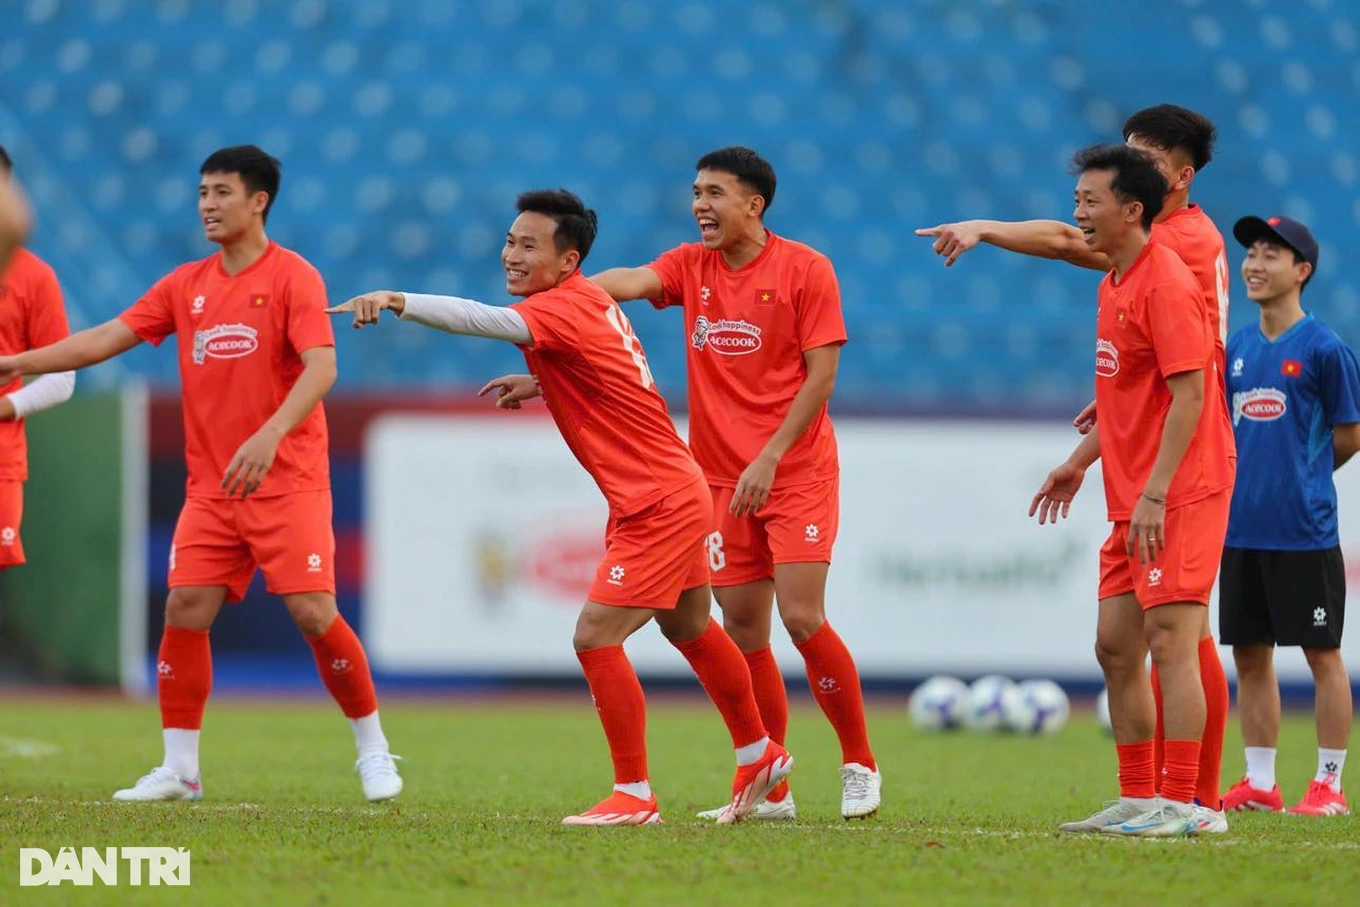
x=1169 y=819
x=378 y=772
x=161 y=783
x=861 y=791
x=772 y=810
x=1210 y=821
x=1114 y=812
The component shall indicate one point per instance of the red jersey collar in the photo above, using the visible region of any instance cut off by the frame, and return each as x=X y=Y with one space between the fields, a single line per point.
x=770 y=240
x=222 y=271
x=1142 y=256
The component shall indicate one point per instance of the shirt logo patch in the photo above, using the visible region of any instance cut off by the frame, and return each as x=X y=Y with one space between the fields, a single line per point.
x=1237 y=367
x=1292 y=368
x=1260 y=404
x=259 y=300
x=1107 y=359
x=767 y=297
x=197 y=307
x=704 y=293
x=225 y=341
x=727 y=338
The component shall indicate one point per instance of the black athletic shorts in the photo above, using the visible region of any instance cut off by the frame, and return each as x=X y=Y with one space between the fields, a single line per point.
x=1285 y=598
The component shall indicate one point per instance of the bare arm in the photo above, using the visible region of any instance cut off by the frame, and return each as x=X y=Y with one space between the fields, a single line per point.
x=1088 y=451
x=630 y=283
x=1345 y=443
x=1037 y=238
x=89 y=347
x=15 y=220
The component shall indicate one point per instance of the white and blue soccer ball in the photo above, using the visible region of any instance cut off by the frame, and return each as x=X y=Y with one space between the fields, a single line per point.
x=990 y=700
x=938 y=703
x=1043 y=709
x=1103 y=711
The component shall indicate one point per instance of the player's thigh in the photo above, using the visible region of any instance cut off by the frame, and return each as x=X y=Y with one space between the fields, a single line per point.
x=292 y=539
x=1187 y=565
x=653 y=556
x=11 y=519
x=1243 y=616
x=600 y=625
x=738 y=548
x=208 y=549
x=1305 y=594
x=800 y=595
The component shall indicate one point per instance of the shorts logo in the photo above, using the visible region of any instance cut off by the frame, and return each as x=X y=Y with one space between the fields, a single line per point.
x=1237 y=367
x=1155 y=576
x=197 y=307
x=1107 y=359
x=616 y=575
x=811 y=533
x=341 y=666
x=225 y=341
x=1260 y=404
x=1319 y=617
x=7 y=536
x=313 y=563
x=727 y=338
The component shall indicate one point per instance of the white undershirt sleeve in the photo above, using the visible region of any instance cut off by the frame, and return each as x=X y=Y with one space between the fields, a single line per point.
x=43 y=392
x=466 y=316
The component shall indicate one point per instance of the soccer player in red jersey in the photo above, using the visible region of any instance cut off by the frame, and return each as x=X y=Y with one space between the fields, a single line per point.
x=256 y=356
x=1181 y=143
x=31 y=315
x=593 y=375
x=1165 y=442
x=764 y=331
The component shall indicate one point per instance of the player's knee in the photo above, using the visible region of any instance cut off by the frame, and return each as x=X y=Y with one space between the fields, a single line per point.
x=802 y=622
x=1253 y=660
x=192 y=610
x=1324 y=660
x=313 y=614
x=1116 y=655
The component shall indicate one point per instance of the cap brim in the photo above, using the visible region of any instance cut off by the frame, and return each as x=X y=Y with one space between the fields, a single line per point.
x=1249 y=229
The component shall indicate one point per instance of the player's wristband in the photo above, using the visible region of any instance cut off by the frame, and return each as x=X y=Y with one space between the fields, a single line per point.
x=1159 y=501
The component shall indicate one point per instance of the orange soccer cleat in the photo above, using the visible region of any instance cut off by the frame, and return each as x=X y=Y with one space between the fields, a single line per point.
x=1321 y=800
x=754 y=782
x=1242 y=797
x=618 y=809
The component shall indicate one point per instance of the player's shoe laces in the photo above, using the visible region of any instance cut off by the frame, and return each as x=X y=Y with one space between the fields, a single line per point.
x=161 y=783
x=1242 y=797
x=753 y=783
x=1169 y=819
x=1321 y=800
x=861 y=791
x=618 y=809
x=1113 y=813
x=773 y=808
x=378 y=774
x=1210 y=821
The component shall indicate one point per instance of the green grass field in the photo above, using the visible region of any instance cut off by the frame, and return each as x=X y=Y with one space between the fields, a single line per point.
x=966 y=819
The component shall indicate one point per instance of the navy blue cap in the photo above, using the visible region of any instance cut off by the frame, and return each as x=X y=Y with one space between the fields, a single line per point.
x=1285 y=230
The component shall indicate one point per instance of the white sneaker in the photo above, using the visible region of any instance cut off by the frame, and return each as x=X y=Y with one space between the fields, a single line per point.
x=1210 y=821
x=1169 y=819
x=1113 y=813
x=378 y=772
x=861 y=791
x=161 y=783
x=780 y=810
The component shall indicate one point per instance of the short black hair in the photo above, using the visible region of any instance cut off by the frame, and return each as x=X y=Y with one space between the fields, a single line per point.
x=750 y=169
x=576 y=224
x=260 y=172
x=1168 y=127
x=5 y=163
x=1136 y=177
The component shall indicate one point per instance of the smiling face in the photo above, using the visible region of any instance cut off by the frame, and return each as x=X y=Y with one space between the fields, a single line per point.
x=530 y=257
x=226 y=208
x=1104 y=220
x=726 y=210
x=1271 y=272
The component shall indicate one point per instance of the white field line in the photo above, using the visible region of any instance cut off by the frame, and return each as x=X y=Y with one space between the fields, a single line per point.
x=23 y=748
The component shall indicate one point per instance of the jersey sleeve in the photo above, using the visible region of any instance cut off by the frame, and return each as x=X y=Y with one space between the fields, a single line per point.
x=46 y=315
x=151 y=318
x=305 y=298
x=1339 y=379
x=820 y=321
x=550 y=327
x=671 y=267
x=1178 y=329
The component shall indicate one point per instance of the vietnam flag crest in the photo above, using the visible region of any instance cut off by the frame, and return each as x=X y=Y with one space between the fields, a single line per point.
x=1292 y=368
x=767 y=297
x=259 y=300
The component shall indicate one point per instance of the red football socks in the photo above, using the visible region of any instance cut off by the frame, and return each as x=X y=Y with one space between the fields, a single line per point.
x=183 y=677
x=1137 y=776
x=771 y=696
x=344 y=669
x=722 y=671
x=623 y=709
x=835 y=685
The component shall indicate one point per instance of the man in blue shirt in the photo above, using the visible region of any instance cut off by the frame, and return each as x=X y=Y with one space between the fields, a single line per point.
x=1294 y=391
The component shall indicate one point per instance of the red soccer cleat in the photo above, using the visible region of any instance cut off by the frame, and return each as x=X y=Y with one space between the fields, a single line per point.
x=754 y=782
x=618 y=809
x=1242 y=797
x=1321 y=800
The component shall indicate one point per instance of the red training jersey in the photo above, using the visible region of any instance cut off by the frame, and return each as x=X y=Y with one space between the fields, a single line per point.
x=1191 y=234
x=747 y=329
x=240 y=343
x=1152 y=324
x=32 y=315
x=600 y=392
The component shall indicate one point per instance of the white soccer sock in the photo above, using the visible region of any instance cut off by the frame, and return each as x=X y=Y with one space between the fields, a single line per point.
x=1261 y=767
x=1330 y=764
x=750 y=753
x=640 y=789
x=368 y=734
x=181 y=752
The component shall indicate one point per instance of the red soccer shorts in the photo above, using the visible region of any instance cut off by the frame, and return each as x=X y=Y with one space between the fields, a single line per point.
x=797 y=525
x=653 y=556
x=289 y=537
x=11 y=515
x=1185 y=570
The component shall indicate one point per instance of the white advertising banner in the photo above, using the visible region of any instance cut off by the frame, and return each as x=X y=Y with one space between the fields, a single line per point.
x=483 y=533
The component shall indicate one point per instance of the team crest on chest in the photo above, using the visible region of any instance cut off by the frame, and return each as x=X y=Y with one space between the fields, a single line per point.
x=225 y=341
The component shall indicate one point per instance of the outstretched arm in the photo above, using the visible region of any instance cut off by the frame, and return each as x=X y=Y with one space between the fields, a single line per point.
x=630 y=283
x=89 y=347
x=1038 y=238
x=445 y=313
x=43 y=392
